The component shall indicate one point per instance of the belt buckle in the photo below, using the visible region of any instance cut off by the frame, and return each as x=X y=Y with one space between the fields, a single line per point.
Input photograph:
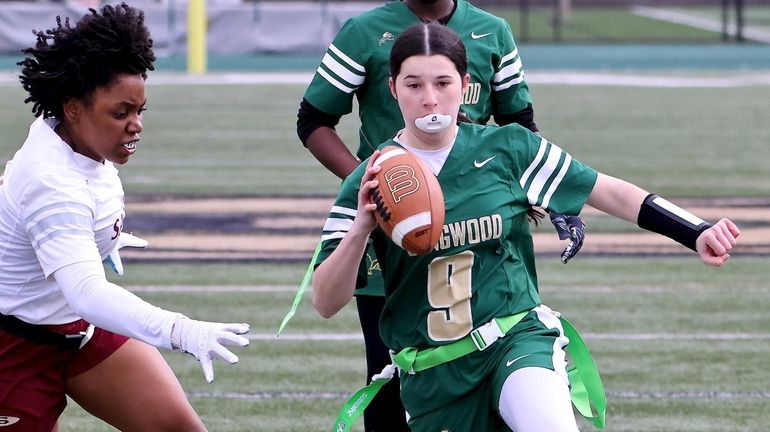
x=486 y=335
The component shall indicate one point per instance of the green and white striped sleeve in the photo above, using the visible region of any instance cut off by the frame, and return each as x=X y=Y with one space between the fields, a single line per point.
x=554 y=180
x=340 y=73
x=339 y=222
x=509 y=71
x=510 y=89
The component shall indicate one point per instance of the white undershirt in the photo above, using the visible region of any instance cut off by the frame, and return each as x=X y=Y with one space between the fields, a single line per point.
x=435 y=159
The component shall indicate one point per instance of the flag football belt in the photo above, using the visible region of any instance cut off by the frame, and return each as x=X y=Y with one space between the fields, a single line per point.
x=586 y=390
x=411 y=360
x=41 y=335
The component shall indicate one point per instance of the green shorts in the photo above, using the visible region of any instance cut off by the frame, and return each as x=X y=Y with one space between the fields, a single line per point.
x=463 y=395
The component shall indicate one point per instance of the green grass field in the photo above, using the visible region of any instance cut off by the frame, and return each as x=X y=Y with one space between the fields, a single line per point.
x=681 y=347
x=242 y=140
x=588 y=24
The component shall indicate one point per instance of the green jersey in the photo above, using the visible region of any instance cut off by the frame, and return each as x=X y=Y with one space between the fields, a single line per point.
x=358 y=62
x=483 y=266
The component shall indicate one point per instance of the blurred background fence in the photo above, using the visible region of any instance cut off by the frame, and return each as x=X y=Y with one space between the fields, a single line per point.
x=237 y=27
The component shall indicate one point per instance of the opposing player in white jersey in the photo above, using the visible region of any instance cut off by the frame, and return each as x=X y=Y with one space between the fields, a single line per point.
x=64 y=329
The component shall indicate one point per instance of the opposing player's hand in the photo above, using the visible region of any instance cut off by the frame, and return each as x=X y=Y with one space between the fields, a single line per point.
x=714 y=244
x=206 y=341
x=365 y=215
x=572 y=228
x=124 y=240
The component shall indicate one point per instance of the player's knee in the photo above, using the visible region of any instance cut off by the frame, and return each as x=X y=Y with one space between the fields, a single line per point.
x=536 y=399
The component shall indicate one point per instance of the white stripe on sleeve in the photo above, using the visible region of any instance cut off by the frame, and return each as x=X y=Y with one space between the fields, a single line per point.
x=535 y=162
x=47 y=222
x=509 y=56
x=344 y=210
x=508 y=71
x=334 y=235
x=53 y=233
x=336 y=224
x=346 y=59
x=342 y=71
x=333 y=81
x=542 y=176
x=557 y=180
x=509 y=83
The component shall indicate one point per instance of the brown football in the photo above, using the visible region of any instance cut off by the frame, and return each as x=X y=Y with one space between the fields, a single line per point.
x=410 y=204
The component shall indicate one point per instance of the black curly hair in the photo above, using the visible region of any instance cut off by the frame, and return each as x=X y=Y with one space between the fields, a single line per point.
x=71 y=62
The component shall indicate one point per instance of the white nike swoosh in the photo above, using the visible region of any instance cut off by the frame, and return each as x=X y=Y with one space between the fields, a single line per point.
x=478 y=164
x=8 y=420
x=510 y=362
x=479 y=36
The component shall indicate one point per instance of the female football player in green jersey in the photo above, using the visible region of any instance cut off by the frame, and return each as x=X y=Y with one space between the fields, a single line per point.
x=357 y=63
x=478 y=289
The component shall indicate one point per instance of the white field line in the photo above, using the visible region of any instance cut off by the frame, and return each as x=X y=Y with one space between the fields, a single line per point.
x=549 y=289
x=213 y=288
x=576 y=78
x=627 y=80
x=684 y=18
x=533 y=77
x=640 y=337
x=310 y=395
x=357 y=337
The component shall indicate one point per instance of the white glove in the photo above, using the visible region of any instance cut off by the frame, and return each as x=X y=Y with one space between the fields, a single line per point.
x=206 y=341
x=124 y=240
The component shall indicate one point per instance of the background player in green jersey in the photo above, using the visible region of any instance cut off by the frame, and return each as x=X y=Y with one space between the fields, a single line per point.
x=482 y=271
x=357 y=63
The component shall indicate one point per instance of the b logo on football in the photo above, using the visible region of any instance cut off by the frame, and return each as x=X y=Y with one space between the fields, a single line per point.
x=401 y=181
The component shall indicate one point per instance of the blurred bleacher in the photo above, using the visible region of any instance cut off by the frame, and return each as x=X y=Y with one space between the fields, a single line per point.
x=272 y=35
x=302 y=27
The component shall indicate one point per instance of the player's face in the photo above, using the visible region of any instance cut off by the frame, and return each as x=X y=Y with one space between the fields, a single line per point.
x=107 y=126
x=428 y=9
x=427 y=85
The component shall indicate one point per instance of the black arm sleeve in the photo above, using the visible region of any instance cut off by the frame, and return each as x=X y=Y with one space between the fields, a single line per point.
x=662 y=217
x=310 y=118
x=525 y=117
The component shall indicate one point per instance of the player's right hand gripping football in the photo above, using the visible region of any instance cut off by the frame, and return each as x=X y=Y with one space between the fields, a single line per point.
x=366 y=207
x=572 y=228
x=206 y=341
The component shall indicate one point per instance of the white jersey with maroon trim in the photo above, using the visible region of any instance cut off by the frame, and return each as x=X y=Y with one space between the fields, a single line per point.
x=57 y=207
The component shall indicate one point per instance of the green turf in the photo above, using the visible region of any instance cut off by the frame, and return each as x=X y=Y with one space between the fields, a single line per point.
x=681 y=142
x=745 y=415
x=600 y=24
x=537 y=56
x=228 y=140
x=668 y=382
x=209 y=274
x=741 y=272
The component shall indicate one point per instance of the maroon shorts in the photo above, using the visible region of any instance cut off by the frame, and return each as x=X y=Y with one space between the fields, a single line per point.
x=33 y=375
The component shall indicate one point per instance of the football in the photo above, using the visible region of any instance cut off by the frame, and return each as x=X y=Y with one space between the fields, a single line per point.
x=410 y=204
